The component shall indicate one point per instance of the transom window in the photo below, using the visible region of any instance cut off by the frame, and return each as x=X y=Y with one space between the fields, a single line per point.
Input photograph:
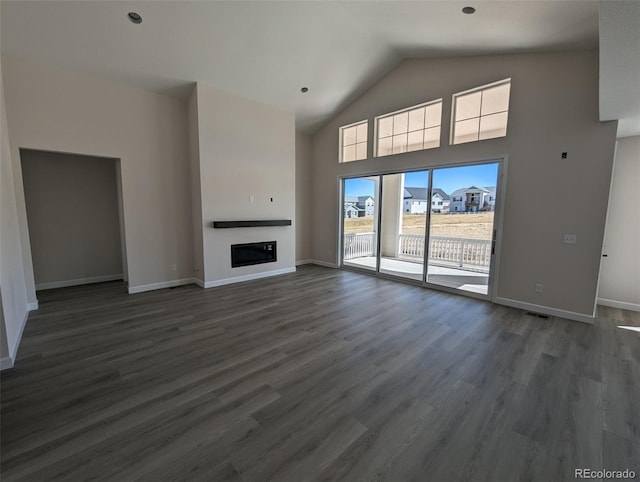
x=353 y=142
x=481 y=113
x=411 y=129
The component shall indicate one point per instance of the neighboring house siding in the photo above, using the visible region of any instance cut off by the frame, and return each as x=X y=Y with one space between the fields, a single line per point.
x=415 y=201
x=418 y=207
x=350 y=212
x=473 y=199
x=369 y=207
x=439 y=204
x=364 y=205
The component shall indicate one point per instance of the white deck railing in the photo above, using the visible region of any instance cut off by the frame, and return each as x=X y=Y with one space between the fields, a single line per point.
x=466 y=253
x=358 y=245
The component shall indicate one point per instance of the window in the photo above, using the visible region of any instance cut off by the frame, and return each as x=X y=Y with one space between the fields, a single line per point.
x=353 y=142
x=411 y=129
x=480 y=113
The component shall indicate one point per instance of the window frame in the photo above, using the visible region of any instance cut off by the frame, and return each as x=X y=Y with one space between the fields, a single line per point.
x=377 y=119
x=480 y=88
x=341 y=141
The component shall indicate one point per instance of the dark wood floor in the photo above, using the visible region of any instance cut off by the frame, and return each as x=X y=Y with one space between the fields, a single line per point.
x=318 y=375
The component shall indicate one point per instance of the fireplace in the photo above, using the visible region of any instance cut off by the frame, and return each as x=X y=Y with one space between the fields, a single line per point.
x=253 y=253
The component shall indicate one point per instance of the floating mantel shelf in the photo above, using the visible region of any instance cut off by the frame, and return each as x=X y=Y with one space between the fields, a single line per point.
x=251 y=224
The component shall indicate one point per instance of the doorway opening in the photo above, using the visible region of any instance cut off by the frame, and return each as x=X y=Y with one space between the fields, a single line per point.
x=75 y=218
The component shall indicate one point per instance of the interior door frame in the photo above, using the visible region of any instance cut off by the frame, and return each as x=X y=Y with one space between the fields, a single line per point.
x=498 y=223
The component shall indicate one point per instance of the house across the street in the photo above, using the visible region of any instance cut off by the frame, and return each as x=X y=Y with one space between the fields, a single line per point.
x=415 y=200
x=358 y=206
x=473 y=199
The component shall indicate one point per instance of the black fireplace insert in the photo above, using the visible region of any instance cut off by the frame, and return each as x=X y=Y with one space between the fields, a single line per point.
x=253 y=253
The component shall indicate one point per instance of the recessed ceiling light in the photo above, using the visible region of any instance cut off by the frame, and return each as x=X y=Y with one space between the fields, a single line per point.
x=468 y=10
x=135 y=17
x=304 y=90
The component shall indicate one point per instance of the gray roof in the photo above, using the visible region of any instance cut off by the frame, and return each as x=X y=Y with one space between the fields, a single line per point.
x=415 y=193
x=356 y=199
x=479 y=188
x=463 y=190
x=421 y=193
x=443 y=195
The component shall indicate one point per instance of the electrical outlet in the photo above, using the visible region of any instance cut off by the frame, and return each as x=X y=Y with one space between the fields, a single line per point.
x=570 y=239
x=252 y=199
x=174 y=267
x=538 y=288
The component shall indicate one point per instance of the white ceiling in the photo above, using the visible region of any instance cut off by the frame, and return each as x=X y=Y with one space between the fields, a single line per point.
x=620 y=65
x=268 y=50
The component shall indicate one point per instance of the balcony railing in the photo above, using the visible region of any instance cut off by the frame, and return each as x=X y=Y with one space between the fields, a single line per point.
x=466 y=253
x=358 y=245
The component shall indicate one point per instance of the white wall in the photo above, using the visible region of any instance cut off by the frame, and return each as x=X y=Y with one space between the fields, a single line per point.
x=5 y=359
x=196 y=189
x=73 y=218
x=57 y=110
x=554 y=108
x=245 y=149
x=620 y=273
x=13 y=287
x=391 y=210
x=303 y=197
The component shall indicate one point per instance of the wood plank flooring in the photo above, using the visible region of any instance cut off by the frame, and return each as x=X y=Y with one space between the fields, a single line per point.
x=318 y=375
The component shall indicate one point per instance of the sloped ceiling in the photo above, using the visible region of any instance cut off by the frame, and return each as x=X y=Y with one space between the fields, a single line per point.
x=620 y=65
x=268 y=50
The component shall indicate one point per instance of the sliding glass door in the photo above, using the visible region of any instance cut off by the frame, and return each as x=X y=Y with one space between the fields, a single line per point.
x=461 y=234
x=441 y=219
x=360 y=222
x=403 y=224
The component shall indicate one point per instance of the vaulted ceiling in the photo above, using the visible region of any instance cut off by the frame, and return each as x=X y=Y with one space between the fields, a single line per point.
x=268 y=50
x=620 y=65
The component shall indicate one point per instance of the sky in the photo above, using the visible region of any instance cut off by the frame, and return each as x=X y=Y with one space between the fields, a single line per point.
x=448 y=179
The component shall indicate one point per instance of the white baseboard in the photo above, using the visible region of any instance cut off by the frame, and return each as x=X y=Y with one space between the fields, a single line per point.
x=623 y=305
x=78 y=281
x=32 y=306
x=161 y=285
x=19 y=339
x=199 y=282
x=6 y=363
x=248 y=277
x=545 y=310
x=323 y=263
x=630 y=328
x=303 y=261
